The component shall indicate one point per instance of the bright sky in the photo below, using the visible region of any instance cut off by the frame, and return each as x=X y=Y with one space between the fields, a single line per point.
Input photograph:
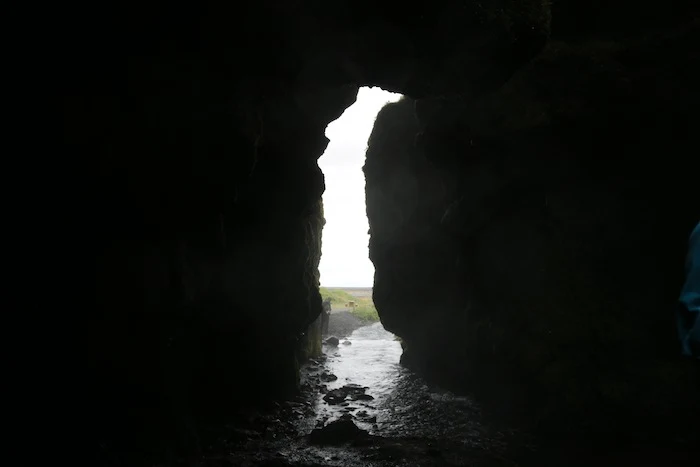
x=345 y=251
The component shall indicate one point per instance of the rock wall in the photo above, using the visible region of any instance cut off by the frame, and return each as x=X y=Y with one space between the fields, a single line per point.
x=529 y=244
x=191 y=198
x=207 y=276
x=194 y=134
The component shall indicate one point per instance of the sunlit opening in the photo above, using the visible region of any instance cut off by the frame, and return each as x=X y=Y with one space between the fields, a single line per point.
x=345 y=250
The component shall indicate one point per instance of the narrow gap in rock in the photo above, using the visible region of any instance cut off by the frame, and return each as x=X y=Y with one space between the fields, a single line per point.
x=346 y=271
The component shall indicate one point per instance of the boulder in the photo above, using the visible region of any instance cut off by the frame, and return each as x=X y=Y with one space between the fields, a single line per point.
x=332 y=341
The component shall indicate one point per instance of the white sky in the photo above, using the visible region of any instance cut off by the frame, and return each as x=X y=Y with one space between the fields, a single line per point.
x=345 y=251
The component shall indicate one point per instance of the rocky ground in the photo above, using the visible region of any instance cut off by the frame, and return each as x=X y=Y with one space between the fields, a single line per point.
x=291 y=433
x=415 y=427
x=359 y=407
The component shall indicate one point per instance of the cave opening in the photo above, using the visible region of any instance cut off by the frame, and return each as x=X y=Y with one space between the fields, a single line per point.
x=361 y=357
x=346 y=272
x=344 y=252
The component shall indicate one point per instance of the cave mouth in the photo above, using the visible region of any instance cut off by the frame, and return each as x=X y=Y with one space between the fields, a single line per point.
x=346 y=272
x=345 y=242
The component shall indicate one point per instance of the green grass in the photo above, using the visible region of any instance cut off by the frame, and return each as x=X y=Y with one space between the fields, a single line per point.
x=338 y=297
x=364 y=309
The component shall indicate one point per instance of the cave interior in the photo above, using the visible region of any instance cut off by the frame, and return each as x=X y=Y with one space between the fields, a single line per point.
x=534 y=191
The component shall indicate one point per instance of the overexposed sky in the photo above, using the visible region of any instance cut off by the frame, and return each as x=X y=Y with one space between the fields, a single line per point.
x=345 y=251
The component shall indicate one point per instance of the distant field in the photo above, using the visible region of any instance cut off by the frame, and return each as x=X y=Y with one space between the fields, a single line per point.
x=362 y=296
x=359 y=292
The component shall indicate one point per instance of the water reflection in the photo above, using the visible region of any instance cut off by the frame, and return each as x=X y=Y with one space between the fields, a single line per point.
x=371 y=360
x=402 y=404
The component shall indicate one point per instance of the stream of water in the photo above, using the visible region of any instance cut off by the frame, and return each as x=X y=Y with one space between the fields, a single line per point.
x=371 y=360
x=359 y=407
x=401 y=403
x=405 y=420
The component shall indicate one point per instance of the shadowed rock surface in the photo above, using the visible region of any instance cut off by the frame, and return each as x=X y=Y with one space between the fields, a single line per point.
x=540 y=237
x=533 y=192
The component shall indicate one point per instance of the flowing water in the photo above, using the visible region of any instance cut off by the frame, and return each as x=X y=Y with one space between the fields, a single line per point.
x=359 y=407
x=371 y=359
x=406 y=420
x=401 y=404
x=368 y=358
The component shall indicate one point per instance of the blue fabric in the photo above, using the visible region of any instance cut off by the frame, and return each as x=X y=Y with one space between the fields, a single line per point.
x=688 y=321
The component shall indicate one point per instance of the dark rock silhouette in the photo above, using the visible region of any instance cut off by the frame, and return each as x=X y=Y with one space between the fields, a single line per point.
x=539 y=271
x=351 y=392
x=337 y=432
x=529 y=200
x=325 y=316
x=334 y=341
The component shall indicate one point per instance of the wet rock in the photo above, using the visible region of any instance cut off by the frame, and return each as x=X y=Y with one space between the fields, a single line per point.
x=347 y=343
x=306 y=386
x=328 y=377
x=334 y=341
x=334 y=397
x=361 y=397
x=337 y=432
x=353 y=391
